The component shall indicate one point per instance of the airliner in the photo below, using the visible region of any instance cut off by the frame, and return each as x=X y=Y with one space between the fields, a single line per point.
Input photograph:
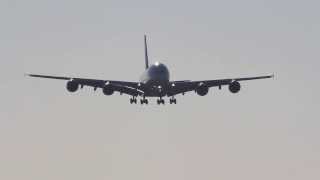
x=154 y=82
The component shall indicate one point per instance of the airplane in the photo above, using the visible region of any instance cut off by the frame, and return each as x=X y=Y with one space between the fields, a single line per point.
x=154 y=82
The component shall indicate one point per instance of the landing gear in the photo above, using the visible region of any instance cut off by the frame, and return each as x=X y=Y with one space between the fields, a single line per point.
x=160 y=101
x=144 y=101
x=173 y=100
x=133 y=100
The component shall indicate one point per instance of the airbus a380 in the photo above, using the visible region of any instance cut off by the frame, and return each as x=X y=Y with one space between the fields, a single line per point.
x=154 y=82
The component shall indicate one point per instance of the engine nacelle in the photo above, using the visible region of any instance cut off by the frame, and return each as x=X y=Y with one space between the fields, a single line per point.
x=234 y=87
x=107 y=90
x=72 y=86
x=202 y=90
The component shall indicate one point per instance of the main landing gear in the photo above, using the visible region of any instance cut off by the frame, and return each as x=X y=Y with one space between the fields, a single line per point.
x=173 y=100
x=133 y=100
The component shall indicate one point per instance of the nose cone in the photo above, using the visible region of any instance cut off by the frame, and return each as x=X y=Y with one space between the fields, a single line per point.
x=160 y=65
x=159 y=71
x=157 y=63
x=160 y=68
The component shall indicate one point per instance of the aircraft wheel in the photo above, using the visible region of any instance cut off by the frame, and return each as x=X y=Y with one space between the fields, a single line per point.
x=162 y=101
x=133 y=101
x=173 y=101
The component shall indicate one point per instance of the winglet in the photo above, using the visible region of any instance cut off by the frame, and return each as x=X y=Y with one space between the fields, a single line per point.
x=146 y=52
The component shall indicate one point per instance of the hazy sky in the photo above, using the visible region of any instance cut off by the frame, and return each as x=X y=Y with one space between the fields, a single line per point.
x=270 y=130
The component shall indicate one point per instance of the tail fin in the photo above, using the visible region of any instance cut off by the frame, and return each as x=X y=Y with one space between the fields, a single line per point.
x=146 y=52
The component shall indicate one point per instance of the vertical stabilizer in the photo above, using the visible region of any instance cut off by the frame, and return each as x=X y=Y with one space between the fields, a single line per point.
x=146 y=52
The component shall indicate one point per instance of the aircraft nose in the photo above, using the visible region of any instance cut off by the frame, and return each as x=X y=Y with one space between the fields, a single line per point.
x=157 y=63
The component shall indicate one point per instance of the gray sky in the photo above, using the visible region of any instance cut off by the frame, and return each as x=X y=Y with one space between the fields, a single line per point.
x=270 y=130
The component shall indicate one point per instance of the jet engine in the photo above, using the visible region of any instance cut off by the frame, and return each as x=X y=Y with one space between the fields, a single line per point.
x=202 y=90
x=234 y=87
x=72 y=86
x=108 y=90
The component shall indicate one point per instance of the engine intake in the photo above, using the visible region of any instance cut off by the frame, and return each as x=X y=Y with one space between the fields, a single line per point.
x=72 y=86
x=108 y=90
x=234 y=87
x=202 y=90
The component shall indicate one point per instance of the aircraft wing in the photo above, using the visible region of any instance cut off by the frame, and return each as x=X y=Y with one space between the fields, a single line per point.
x=178 y=87
x=130 y=88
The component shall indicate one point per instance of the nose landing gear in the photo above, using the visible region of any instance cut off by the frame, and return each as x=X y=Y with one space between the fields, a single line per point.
x=144 y=101
x=160 y=101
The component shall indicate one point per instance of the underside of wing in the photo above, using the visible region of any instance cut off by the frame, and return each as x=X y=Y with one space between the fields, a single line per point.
x=137 y=89
x=108 y=86
x=202 y=87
